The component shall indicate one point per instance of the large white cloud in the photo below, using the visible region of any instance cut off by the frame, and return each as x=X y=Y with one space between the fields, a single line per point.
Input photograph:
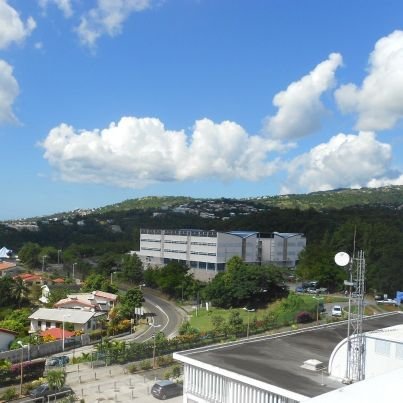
x=345 y=161
x=9 y=90
x=107 y=18
x=64 y=5
x=12 y=28
x=138 y=151
x=300 y=109
x=379 y=101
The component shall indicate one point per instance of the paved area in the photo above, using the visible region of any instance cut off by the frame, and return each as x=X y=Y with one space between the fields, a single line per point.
x=113 y=384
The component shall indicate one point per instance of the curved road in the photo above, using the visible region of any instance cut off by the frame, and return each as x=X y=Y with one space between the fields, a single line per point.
x=164 y=316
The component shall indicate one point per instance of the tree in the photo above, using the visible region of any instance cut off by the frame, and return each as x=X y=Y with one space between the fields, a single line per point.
x=56 y=379
x=98 y=282
x=133 y=299
x=132 y=269
x=29 y=254
x=19 y=291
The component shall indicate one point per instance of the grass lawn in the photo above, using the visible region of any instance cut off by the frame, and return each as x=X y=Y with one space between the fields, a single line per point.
x=203 y=319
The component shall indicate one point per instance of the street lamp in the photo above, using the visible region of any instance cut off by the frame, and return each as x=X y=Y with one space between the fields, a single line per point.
x=43 y=262
x=63 y=337
x=247 y=328
x=317 y=309
x=74 y=266
x=22 y=360
x=155 y=344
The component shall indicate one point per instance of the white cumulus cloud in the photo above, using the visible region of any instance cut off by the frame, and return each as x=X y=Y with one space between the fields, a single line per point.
x=379 y=101
x=347 y=160
x=12 y=28
x=65 y=6
x=9 y=90
x=107 y=18
x=300 y=109
x=138 y=151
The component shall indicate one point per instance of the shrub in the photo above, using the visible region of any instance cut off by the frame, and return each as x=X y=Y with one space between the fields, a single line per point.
x=9 y=394
x=304 y=317
x=176 y=371
x=167 y=374
x=132 y=368
x=145 y=364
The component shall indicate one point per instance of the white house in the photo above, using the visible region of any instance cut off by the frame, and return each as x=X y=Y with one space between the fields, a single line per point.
x=206 y=252
x=46 y=318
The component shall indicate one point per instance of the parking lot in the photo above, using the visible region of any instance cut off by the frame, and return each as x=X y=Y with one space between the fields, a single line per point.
x=113 y=384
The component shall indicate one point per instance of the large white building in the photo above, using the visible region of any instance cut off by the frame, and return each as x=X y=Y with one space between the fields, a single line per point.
x=206 y=252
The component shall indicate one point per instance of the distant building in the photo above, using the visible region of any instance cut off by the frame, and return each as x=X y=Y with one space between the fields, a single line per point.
x=6 y=337
x=206 y=252
x=8 y=268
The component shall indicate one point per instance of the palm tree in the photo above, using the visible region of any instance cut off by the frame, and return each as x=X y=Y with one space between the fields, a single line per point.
x=56 y=379
x=19 y=291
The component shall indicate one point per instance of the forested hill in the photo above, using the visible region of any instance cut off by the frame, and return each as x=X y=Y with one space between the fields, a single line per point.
x=389 y=196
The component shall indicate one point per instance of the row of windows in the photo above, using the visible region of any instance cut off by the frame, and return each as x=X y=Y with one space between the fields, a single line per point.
x=178 y=242
x=204 y=243
x=146 y=248
x=174 y=251
x=150 y=240
x=203 y=253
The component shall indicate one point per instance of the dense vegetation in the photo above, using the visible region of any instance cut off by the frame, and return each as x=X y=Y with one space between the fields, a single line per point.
x=373 y=214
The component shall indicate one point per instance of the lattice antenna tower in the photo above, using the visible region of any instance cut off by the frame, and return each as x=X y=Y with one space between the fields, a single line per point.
x=355 y=360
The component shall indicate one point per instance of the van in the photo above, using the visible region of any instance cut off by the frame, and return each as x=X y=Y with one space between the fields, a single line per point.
x=165 y=389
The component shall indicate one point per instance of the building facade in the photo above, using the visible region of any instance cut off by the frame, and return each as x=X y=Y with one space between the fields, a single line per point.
x=206 y=252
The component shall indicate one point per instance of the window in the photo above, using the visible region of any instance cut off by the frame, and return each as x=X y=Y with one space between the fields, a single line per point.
x=47 y=325
x=399 y=351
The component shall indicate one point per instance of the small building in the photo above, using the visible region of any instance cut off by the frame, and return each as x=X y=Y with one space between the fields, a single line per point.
x=6 y=337
x=47 y=318
x=95 y=301
x=8 y=268
x=57 y=333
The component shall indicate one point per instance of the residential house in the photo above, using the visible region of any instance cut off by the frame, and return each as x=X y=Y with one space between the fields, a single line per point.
x=47 y=318
x=95 y=301
x=8 y=268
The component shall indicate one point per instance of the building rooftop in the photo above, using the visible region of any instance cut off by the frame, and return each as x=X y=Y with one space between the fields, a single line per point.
x=277 y=359
x=60 y=315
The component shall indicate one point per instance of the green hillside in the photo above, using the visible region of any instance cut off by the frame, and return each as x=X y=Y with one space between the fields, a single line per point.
x=389 y=196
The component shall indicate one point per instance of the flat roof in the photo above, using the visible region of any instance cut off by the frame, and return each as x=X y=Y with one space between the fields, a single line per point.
x=277 y=359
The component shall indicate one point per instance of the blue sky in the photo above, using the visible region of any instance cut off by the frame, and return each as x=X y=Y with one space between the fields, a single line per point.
x=105 y=100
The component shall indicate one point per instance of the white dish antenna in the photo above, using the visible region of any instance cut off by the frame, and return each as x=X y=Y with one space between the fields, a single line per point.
x=342 y=259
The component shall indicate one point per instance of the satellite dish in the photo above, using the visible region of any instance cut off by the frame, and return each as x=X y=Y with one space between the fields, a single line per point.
x=342 y=259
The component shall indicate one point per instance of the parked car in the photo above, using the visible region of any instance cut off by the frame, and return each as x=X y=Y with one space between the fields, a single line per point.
x=165 y=389
x=337 y=310
x=299 y=289
x=59 y=361
x=43 y=392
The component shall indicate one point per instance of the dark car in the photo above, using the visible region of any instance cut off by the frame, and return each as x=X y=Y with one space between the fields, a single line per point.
x=43 y=392
x=60 y=361
x=165 y=389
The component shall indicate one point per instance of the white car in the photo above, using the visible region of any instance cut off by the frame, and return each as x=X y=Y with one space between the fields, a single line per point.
x=337 y=310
